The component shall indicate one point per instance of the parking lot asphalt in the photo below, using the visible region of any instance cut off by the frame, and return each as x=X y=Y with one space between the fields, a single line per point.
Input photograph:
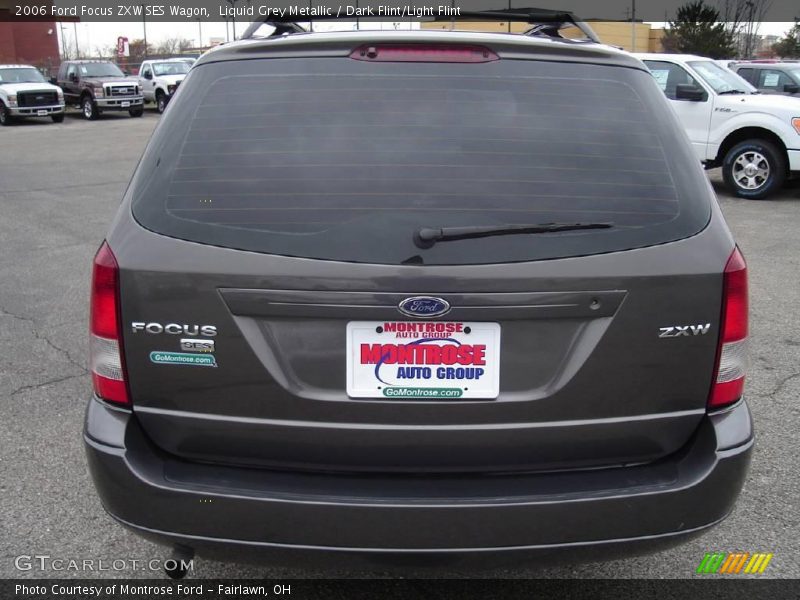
x=59 y=188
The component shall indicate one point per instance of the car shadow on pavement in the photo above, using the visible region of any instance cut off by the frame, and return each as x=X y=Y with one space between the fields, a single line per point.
x=23 y=122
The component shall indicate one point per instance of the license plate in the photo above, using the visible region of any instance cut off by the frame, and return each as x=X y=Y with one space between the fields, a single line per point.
x=126 y=104
x=399 y=360
x=41 y=113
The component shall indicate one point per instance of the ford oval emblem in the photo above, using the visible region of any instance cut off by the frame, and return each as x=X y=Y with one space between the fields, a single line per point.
x=424 y=306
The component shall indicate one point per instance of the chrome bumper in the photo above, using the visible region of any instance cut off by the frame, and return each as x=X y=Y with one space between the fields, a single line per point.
x=36 y=111
x=119 y=103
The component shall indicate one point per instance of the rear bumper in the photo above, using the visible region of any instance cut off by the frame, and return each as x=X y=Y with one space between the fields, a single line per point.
x=219 y=510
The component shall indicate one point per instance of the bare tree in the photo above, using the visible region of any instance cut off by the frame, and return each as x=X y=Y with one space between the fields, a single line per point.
x=173 y=46
x=138 y=52
x=106 y=51
x=743 y=20
x=67 y=43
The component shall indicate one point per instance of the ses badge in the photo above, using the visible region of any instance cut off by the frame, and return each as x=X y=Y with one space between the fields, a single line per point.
x=192 y=345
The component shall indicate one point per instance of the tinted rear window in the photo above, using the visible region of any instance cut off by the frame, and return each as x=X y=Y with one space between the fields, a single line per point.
x=337 y=159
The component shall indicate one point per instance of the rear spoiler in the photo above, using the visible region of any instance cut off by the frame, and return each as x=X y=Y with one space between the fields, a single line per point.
x=546 y=23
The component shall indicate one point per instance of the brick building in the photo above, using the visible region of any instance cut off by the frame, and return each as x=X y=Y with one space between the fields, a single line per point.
x=29 y=42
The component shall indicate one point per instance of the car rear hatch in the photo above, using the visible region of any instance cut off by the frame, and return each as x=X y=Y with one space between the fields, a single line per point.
x=273 y=248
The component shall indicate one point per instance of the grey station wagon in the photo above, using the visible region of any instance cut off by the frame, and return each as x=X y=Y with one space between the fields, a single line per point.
x=423 y=295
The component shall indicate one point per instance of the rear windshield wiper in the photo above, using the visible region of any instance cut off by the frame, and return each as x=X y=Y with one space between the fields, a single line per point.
x=426 y=237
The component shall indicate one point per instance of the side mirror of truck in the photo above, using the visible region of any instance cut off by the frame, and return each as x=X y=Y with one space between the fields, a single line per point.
x=73 y=77
x=791 y=88
x=148 y=75
x=53 y=81
x=689 y=91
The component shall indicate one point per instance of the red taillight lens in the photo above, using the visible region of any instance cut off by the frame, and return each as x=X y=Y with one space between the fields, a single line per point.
x=731 y=364
x=456 y=53
x=104 y=293
x=105 y=352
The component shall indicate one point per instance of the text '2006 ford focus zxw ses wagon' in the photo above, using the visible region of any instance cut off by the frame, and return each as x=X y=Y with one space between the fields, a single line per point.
x=418 y=293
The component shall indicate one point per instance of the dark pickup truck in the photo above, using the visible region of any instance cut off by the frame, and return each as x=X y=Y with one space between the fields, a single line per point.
x=95 y=86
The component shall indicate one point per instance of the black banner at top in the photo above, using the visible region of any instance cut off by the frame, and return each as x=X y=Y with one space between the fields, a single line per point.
x=387 y=10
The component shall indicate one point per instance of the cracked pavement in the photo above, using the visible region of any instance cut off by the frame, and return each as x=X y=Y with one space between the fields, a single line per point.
x=59 y=188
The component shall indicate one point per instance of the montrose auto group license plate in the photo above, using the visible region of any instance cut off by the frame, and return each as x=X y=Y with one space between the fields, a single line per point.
x=423 y=360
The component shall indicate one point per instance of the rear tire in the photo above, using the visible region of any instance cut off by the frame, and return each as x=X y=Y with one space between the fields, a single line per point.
x=754 y=169
x=136 y=112
x=57 y=118
x=5 y=116
x=161 y=102
x=89 y=108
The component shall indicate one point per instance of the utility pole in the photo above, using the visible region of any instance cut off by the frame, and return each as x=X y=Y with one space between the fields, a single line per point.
x=199 y=33
x=233 y=16
x=75 y=29
x=633 y=25
x=144 y=28
x=63 y=41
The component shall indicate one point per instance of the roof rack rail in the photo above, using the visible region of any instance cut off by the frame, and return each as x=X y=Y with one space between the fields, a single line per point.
x=547 y=23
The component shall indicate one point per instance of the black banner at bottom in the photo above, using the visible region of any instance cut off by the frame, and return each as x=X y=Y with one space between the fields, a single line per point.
x=396 y=589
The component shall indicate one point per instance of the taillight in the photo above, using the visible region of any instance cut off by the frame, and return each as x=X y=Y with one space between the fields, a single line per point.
x=105 y=350
x=455 y=53
x=731 y=364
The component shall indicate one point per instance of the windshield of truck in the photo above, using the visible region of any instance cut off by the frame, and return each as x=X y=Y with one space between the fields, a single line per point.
x=26 y=75
x=171 y=68
x=100 y=70
x=719 y=78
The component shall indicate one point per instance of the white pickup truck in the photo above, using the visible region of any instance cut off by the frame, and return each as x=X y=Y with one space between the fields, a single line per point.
x=158 y=79
x=24 y=92
x=755 y=138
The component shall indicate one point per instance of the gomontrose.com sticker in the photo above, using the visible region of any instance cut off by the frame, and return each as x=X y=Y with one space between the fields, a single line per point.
x=183 y=358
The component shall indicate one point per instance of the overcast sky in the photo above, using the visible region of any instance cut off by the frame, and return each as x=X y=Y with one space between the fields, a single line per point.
x=94 y=36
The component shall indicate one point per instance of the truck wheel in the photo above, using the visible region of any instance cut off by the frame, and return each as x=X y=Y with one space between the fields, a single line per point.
x=90 y=110
x=754 y=169
x=161 y=102
x=136 y=112
x=5 y=115
x=57 y=118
